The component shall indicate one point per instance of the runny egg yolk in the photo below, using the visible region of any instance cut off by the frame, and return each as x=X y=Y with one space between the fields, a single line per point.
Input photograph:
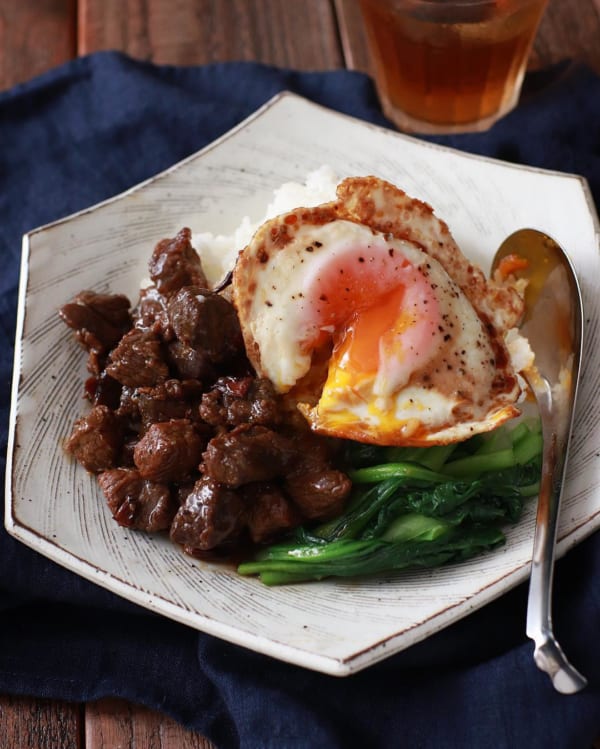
x=383 y=316
x=358 y=349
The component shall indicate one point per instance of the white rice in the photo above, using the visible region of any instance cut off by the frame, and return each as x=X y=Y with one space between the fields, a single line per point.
x=219 y=252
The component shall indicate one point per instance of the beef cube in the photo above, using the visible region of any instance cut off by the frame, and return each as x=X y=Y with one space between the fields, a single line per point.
x=175 y=263
x=151 y=313
x=247 y=454
x=99 y=320
x=190 y=363
x=102 y=390
x=210 y=516
x=268 y=511
x=183 y=490
x=169 y=451
x=319 y=491
x=96 y=439
x=314 y=484
x=126 y=459
x=137 y=360
x=172 y=399
x=234 y=401
x=206 y=322
x=136 y=502
x=128 y=408
x=95 y=363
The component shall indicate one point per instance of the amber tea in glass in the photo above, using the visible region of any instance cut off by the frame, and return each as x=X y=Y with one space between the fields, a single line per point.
x=450 y=65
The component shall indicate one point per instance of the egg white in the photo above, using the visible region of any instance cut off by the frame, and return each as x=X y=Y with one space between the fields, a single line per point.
x=454 y=385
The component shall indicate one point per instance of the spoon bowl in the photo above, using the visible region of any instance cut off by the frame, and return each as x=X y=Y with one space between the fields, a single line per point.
x=553 y=325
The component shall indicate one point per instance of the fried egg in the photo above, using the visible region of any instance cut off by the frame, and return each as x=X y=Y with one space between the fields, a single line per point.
x=365 y=312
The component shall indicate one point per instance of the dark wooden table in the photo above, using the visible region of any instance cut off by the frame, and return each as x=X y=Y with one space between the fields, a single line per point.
x=304 y=34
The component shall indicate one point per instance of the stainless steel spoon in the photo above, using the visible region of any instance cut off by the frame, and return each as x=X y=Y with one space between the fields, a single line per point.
x=553 y=324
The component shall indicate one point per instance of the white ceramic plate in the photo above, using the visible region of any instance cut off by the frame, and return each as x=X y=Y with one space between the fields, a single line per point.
x=55 y=507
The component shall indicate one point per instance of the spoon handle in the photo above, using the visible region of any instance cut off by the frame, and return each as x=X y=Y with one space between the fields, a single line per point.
x=548 y=654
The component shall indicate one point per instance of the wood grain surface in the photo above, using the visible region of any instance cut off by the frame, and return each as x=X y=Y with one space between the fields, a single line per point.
x=27 y=723
x=300 y=34
x=115 y=723
x=36 y=35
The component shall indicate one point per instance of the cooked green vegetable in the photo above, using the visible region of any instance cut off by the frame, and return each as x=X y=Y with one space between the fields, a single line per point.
x=414 y=507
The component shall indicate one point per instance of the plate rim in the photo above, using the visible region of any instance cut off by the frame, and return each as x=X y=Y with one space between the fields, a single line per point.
x=286 y=94
x=336 y=666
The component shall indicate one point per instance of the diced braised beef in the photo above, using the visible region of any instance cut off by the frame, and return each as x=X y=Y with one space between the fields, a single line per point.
x=269 y=512
x=137 y=360
x=99 y=320
x=211 y=515
x=319 y=491
x=172 y=399
x=246 y=454
x=128 y=408
x=95 y=363
x=126 y=459
x=243 y=400
x=190 y=363
x=151 y=313
x=206 y=322
x=189 y=311
x=315 y=486
x=175 y=263
x=96 y=440
x=182 y=433
x=182 y=491
x=169 y=451
x=136 y=502
x=103 y=390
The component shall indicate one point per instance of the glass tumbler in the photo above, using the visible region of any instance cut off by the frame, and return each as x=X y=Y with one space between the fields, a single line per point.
x=444 y=66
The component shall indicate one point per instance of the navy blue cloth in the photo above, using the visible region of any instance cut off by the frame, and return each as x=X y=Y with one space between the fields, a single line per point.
x=100 y=124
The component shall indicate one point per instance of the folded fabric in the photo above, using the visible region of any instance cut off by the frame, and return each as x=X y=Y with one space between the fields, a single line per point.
x=89 y=130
